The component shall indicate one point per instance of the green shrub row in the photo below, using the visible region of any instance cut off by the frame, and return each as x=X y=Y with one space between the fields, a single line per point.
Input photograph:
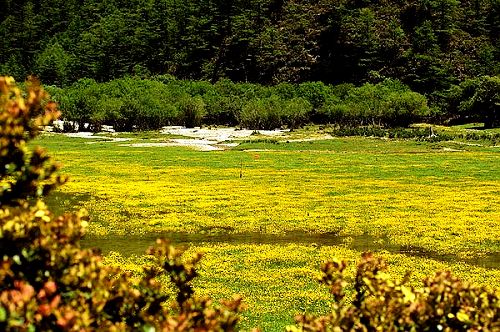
x=375 y=131
x=421 y=134
x=140 y=104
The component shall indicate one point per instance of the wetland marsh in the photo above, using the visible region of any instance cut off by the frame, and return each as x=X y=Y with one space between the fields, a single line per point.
x=267 y=212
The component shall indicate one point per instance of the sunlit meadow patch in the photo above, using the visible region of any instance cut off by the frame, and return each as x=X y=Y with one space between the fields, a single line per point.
x=423 y=207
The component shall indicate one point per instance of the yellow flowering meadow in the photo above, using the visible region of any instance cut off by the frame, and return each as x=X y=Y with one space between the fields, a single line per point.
x=266 y=214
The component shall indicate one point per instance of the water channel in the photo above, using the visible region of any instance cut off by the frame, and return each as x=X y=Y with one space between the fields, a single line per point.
x=136 y=244
x=129 y=245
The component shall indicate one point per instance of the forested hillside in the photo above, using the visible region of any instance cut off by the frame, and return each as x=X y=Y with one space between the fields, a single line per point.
x=427 y=44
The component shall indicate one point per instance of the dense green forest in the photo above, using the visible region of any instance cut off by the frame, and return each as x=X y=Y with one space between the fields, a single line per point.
x=427 y=44
x=447 y=50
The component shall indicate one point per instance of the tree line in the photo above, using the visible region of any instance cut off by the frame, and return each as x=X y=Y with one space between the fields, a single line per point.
x=145 y=104
x=132 y=103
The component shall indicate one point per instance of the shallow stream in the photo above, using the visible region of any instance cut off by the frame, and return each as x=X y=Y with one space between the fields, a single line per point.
x=134 y=244
x=129 y=245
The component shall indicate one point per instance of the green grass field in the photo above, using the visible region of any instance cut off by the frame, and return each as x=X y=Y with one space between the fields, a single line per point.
x=267 y=212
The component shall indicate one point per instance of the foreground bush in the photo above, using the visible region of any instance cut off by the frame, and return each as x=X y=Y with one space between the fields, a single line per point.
x=47 y=282
x=444 y=303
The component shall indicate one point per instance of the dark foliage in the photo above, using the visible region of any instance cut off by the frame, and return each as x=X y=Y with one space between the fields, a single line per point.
x=428 y=45
x=379 y=303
